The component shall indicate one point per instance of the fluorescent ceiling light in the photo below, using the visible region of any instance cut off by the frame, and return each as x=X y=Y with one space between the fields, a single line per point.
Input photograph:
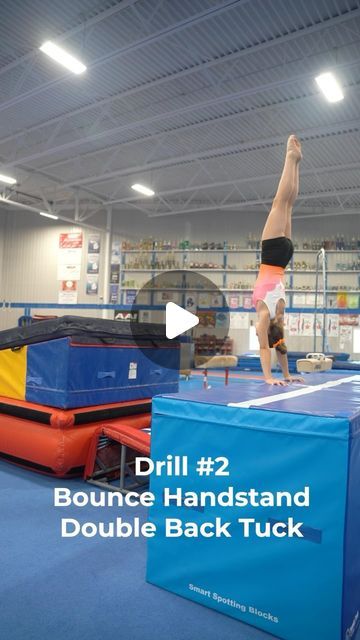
x=330 y=87
x=7 y=179
x=141 y=189
x=62 y=57
x=48 y=215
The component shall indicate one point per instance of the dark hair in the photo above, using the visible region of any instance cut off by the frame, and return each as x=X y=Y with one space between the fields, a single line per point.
x=276 y=337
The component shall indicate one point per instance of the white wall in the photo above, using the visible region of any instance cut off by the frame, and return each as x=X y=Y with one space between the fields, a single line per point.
x=229 y=225
x=28 y=255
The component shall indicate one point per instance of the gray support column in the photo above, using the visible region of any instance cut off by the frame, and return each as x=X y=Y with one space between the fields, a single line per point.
x=107 y=259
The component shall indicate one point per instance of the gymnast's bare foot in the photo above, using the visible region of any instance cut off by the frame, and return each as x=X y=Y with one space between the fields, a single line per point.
x=293 y=148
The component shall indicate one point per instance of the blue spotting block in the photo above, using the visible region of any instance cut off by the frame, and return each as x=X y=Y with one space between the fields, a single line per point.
x=277 y=439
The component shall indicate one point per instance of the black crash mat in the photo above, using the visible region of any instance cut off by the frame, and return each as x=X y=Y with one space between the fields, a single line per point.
x=84 y=329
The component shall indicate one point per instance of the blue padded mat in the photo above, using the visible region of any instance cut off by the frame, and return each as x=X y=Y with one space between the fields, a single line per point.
x=275 y=439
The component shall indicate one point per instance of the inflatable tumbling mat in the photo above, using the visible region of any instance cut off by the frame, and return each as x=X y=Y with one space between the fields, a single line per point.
x=56 y=442
x=276 y=439
x=76 y=362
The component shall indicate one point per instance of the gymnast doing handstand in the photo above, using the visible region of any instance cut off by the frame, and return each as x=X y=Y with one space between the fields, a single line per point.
x=276 y=252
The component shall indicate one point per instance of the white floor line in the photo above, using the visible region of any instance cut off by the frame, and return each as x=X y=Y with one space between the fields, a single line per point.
x=258 y=402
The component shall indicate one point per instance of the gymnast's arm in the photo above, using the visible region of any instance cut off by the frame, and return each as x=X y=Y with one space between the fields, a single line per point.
x=284 y=365
x=283 y=362
x=262 y=328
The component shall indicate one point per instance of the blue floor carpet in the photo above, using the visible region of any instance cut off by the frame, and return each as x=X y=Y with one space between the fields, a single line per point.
x=85 y=589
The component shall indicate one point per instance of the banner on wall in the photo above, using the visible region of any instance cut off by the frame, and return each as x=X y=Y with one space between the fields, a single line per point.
x=124 y=314
x=69 y=256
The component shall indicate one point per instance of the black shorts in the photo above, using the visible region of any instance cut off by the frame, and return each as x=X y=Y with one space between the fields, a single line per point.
x=277 y=251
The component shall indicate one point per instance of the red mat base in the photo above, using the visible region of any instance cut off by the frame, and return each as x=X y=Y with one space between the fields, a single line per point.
x=58 y=444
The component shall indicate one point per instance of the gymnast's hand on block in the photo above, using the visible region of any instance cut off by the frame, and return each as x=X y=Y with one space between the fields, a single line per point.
x=276 y=382
x=295 y=379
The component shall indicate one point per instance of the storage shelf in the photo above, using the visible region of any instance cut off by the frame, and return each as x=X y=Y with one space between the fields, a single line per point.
x=252 y=271
x=307 y=251
x=233 y=290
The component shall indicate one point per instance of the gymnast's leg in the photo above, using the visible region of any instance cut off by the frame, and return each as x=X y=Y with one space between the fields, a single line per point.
x=278 y=222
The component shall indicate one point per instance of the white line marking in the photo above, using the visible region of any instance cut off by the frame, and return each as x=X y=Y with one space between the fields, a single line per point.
x=258 y=402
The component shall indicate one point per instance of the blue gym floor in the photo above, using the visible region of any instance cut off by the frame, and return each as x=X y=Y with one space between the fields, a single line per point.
x=91 y=589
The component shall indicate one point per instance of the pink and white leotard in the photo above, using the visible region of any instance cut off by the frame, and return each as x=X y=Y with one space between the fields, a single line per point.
x=269 y=287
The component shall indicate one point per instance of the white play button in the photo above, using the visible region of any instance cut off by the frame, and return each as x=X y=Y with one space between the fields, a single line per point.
x=178 y=320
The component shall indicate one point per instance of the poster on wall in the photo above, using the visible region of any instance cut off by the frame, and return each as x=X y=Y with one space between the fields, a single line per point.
x=299 y=300
x=206 y=318
x=94 y=243
x=333 y=325
x=68 y=292
x=93 y=264
x=353 y=300
x=145 y=315
x=319 y=325
x=350 y=320
x=341 y=300
x=204 y=299
x=114 y=294
x=247 y=302
x=115 y=273
x=191 y=302
x=310 y=300
x=217 y=301
x=92 y=285
x=239 y=320
x=345 y=336
x=234 y=301
x=72 y=240
x=130 y=296
x=220 y=320
x=115 y=252
x=306 y=327
x=294 y=323
x=69 y=271
x=162 y=297
x=69 y=256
